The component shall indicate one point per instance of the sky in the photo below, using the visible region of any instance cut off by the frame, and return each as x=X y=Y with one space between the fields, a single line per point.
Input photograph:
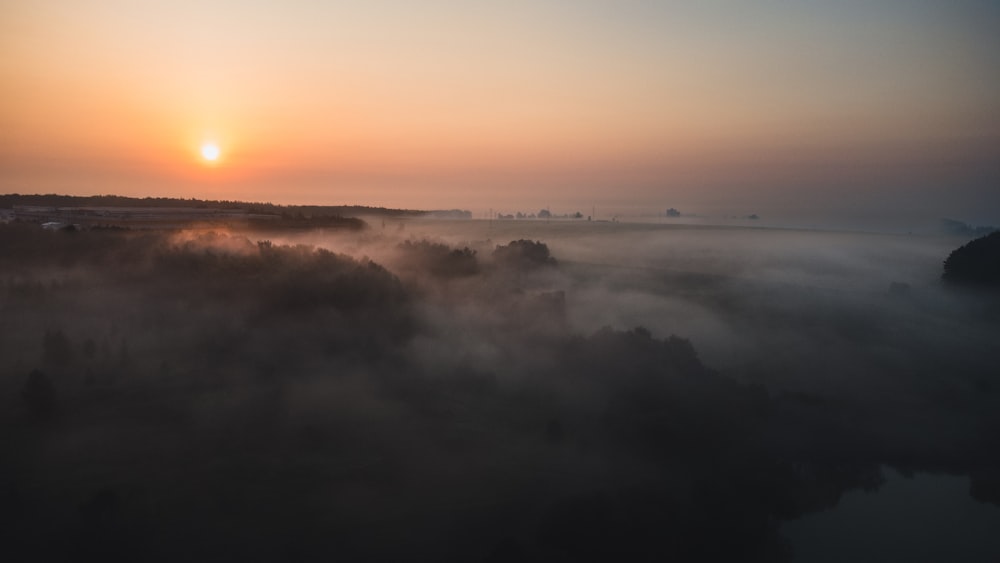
x=877 y=110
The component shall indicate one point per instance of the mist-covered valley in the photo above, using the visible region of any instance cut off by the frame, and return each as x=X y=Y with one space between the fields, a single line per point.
x=478 y=391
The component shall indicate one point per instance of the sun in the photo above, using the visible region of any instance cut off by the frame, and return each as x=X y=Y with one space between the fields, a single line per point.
x=210 y=152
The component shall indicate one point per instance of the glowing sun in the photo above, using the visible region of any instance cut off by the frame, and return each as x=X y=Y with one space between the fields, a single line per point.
x=210 y=152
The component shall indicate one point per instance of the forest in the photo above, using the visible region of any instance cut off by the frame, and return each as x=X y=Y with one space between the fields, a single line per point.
x=206 y=395
x=312 y=216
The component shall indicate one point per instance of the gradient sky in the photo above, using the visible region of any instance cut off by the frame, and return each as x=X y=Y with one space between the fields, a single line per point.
x=857 y=108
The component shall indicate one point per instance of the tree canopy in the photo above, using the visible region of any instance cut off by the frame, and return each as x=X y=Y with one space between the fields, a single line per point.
x=975 y=263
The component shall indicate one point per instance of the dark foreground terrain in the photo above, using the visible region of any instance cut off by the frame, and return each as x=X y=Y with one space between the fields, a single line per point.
x=199 y=396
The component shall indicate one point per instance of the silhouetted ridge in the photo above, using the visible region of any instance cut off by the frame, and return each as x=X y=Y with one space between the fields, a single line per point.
x=288 y=212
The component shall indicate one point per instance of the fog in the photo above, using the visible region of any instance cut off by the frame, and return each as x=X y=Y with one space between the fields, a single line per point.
x=479 y=390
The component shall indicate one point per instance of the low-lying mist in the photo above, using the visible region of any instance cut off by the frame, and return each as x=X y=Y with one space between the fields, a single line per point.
x=476 y=391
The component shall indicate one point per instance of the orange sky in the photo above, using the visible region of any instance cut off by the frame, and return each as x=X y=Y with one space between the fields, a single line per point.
x=519 y=104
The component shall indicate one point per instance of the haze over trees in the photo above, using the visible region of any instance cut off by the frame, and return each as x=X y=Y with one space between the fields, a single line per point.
x=523 y=254
x=961 y=228
x=206 y=395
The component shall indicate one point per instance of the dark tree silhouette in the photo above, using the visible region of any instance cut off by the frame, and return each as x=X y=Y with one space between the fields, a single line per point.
x=439 y=259
x=975 y=263
x=524 y=255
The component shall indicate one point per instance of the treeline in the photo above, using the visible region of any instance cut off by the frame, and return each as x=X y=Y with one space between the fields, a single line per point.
x=308 y=211
x=961 y=228
x=56 y=200
x=976 y=263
